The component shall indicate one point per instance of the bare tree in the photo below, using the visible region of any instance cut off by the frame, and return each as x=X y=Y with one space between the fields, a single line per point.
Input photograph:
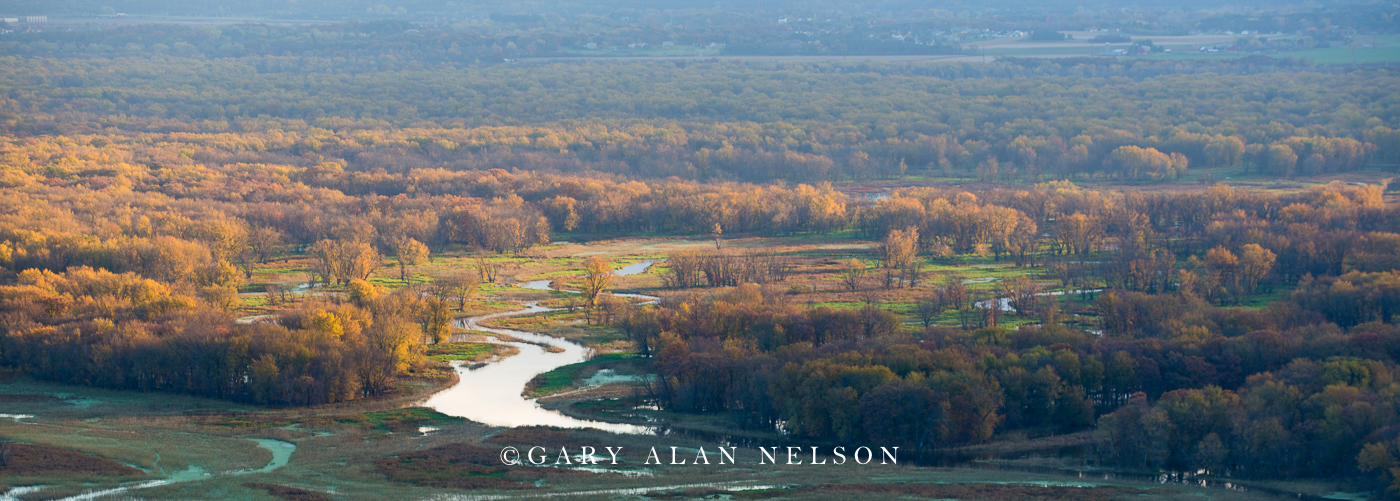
x=486 y=269
x=871 y=296
x=852 y=271
x=462 y=285
x=685 y=269
x=277 y=294
x=990 y=310
x=953 y=293
x=725 y=268
x=930 y=308
x=912 y=275
x=1025 y=295
x=721 y=269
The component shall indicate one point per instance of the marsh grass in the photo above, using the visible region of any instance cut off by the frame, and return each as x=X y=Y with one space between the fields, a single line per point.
x=33 y=459
x=548 y=436
x=463 y=466
x=568 y=376
x=399 y=420
x=137 y=428
x=953 y=491
x=290 y=493
x=471 y=352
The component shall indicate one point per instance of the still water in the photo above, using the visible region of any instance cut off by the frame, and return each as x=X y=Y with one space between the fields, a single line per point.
x=491 y=393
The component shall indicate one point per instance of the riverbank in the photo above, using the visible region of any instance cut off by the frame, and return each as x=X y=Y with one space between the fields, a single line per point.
x=391 y=449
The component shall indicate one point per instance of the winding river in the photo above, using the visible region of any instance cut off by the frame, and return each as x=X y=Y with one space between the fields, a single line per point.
x=281 y=454
x=492 y=393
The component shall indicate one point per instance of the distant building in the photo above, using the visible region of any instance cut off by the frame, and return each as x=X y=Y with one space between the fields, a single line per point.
x=36 y=19
x=11 y=20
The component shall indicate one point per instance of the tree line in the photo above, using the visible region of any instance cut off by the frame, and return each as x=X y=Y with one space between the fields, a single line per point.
x=94 y=327
x=1178 y=377
x=1279 y=393
x=750 y=122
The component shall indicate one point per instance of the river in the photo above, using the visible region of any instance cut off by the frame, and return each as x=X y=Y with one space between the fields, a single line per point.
x=281 y=454
x=493 y=393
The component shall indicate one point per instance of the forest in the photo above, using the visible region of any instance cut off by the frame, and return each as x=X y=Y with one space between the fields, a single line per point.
x=618 y=22
x=1019 y=120
x=1176 y=378
x=1192 y=265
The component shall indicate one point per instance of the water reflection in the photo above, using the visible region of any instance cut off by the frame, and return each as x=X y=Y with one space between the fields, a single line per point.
x=491 y=394
x=635 y=268
x=631 y=269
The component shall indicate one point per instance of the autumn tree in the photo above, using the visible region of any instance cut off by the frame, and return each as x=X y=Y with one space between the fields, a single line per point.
x=1149 y=163
x=388 y=351
x=263 y=242
x=1224 y=151
x=597 y=275
x=1381 y=457
x=362 y=293
x=1024 y=241
x=1079 y=234
x=1281 y=160
x=562 y=212
x=408 y=252
x=340 y=261
x=1224 y=269
x=435 y=318
x=1255 y=262
x=900 y=248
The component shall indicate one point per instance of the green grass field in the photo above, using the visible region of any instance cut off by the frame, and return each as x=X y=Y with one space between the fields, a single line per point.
x=568 y=376
x=459 y=351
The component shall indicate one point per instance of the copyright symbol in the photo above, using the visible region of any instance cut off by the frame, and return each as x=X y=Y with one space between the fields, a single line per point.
x=510 y=456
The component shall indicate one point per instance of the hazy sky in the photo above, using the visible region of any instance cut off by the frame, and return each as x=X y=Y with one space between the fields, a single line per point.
x=417 y=9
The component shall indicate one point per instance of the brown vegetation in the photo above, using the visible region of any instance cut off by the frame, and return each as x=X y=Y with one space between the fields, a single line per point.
x=539 y=435
x=34 y=459
x=972 y=491
x=289 y=493
x=463 y=466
